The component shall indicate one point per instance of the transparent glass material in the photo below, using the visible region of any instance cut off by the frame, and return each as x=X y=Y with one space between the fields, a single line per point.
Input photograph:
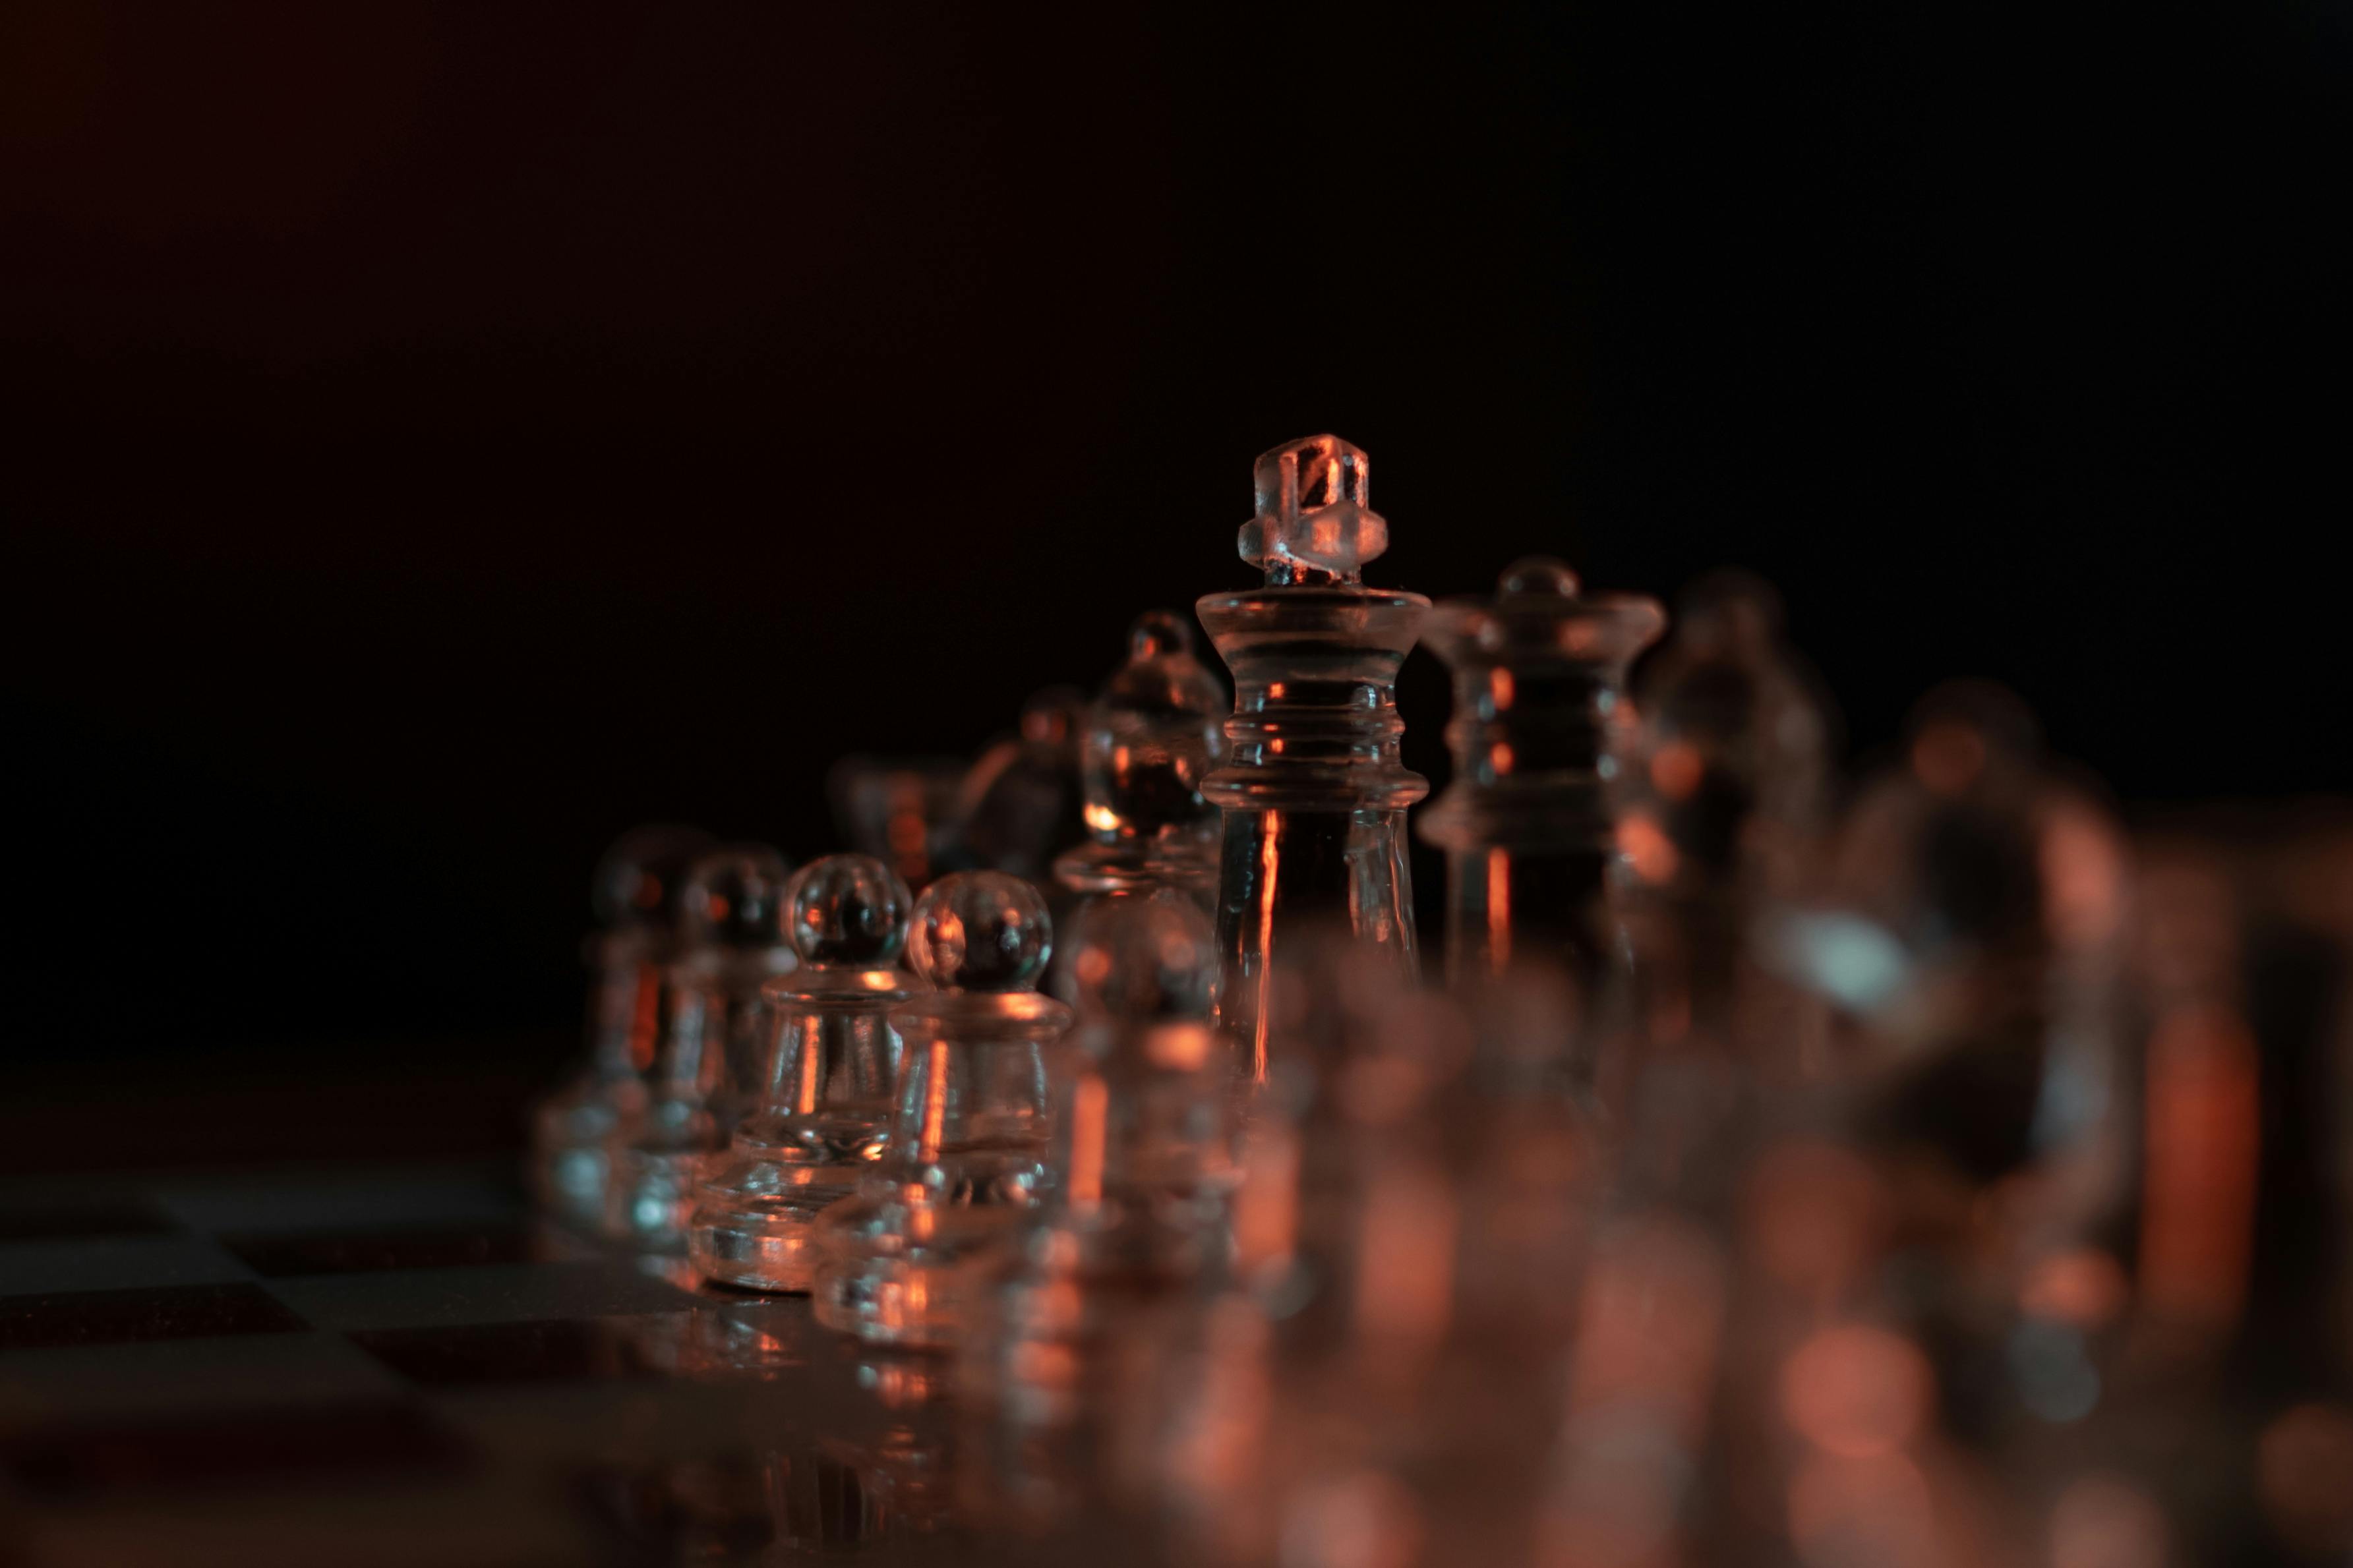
x=1725 y=811
x=1529 y=823
x=824 y=1095
x=1143 y=1161
x=900 y=1257
x=1385 y=1364
x=1150 y=740
x=1312 y=790
x=1862 y=1278
x=635 y=894
x=731 y=944
x=904 y=812
x=1019 y=807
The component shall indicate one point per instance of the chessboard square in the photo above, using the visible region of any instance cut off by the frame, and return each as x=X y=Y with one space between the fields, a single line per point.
x=124 y=1317
x=210 y=1452
x=493 y=1293
x=122 y=1381
x=565 y=1350
x=285 y=1256
x=477 y=1520
x=121 y=1262
x=47 y=1215
x=344 y=1198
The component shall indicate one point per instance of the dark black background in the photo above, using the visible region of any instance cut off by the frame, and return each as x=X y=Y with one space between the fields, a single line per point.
x=438 y=437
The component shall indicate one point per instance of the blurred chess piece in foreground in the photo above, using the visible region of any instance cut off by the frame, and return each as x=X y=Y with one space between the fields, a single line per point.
x=1142 y=1164
x=635 y=894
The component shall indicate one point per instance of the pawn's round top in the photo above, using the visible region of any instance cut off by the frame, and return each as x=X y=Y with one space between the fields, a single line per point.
x=1142 y=959
x=1151 y=739
x=847 y=912
x=1539 y=575
x=637 y=879
x=1162 y=677
x=1968 y=735
x=734 y=898
x=1157 y=633
x=980 y=930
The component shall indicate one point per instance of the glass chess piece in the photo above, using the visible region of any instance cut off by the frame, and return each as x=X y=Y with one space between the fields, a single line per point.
x=1147 y=743
x=1968 y=939
x=1019 y=807
x=1143 y=1162
x=1529 y=825
x=900 y=1258
x=825 y=1093
x=731 y=943
x=904 y=812
x=1323 y=1367
x=1313 y=795
x=1722 y=820
x=635 y=896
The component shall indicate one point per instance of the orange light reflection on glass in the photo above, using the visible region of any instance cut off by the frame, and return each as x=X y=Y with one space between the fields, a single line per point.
x=935 y=1101
x=2204 y=1139
x=810 y=1080
x=1404 y=1285
x=1268 y=858
x=1499 y=909
x=2084 y=1289
x=1090 y=1103
x=1646 y=848
x=1856 y=1391
x=645 y=1018
x=1675 y=770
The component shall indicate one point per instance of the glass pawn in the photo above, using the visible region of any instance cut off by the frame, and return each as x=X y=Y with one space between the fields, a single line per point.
x=1148 y=743
x=824 y=1095
x=899 y=1259
x=1313 y=794
x=635 y=895
x=731 y=943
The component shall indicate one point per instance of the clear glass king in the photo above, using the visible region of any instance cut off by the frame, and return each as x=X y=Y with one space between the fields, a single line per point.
x=1313 y=795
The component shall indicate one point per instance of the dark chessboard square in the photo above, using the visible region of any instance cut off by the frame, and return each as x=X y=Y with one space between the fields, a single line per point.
x=369 y=1251
x=70 y=1219
x=568 y=1349
x=205 y=1454
x=483 y=1293
x=127 y=1317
